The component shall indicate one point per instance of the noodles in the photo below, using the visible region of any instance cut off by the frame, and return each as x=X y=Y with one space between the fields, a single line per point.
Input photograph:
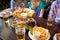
x=40 y=33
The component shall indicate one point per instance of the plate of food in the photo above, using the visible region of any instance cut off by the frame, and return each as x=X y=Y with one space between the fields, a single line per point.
x=28 y=23
x=6 y=14
x=18 y=23
x=23 y=13
x=39 y=33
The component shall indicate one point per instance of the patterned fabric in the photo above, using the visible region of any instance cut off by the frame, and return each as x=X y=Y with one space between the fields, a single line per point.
x=55 y=11
x=58 y=1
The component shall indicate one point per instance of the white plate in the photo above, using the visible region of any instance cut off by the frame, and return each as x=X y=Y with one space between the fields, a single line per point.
x=54 y=38
x=31 y=36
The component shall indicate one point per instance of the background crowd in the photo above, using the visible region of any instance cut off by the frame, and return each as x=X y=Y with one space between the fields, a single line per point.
x=6 y=4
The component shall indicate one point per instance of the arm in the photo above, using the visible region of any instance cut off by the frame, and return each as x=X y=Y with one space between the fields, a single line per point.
x=11 y=5
x=41 y=12
x=42 y=6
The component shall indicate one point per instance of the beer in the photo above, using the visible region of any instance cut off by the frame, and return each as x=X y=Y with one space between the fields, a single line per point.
x=20 y=37
x=20 y=33
x=5 y=19
x=50 y=22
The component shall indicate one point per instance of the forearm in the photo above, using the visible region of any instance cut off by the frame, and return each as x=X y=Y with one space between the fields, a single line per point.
x=41 y=12
x=11 y=6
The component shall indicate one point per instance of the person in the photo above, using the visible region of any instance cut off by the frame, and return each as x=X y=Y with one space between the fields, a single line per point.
x=55 y=11
x=16 y=4
x=27 y=2
x=38 y=6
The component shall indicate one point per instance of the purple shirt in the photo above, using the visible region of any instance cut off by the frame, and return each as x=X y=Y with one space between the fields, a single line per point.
x=55 y=12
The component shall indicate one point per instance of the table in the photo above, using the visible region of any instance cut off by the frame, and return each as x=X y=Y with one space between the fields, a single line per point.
x=55 y=28
x=6 y=33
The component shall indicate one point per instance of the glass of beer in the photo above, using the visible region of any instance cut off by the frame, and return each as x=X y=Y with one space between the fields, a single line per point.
x=49 y=21
x=20 y=31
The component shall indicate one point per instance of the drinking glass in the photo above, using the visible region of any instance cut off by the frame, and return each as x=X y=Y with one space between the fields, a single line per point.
x=50 y=22
x=20 y=31
x=5 y=17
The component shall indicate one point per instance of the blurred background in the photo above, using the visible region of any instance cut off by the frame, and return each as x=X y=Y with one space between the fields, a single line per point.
x=4 y=4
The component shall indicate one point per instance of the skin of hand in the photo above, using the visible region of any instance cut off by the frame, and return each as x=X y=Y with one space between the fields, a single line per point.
x=41 y=13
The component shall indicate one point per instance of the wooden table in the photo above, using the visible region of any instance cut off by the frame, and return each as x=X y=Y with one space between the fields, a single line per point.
x=55 y=28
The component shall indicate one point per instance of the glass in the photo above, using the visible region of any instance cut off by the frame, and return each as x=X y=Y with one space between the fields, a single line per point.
x=6 y=16
x=49 y=21
x=20 y=31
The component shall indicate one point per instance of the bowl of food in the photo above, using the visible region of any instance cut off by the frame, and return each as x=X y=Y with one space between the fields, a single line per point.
x=39 y=33
x=6 y=15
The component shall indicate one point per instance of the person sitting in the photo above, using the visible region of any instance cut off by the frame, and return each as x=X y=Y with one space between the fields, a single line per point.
x=55 y=11
x=38 y=6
